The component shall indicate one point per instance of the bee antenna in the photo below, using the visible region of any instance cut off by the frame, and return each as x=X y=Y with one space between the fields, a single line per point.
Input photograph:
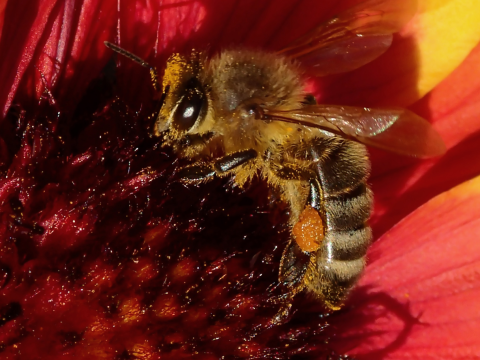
x=127 y=54
x=138 y=60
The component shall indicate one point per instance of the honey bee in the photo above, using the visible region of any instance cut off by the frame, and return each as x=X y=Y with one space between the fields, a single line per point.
x=244 y=113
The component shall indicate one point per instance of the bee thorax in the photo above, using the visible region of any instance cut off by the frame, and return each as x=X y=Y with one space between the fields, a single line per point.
x=237 y=76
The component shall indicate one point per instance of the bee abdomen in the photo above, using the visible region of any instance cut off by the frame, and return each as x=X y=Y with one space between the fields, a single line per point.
x=342 y=165
x=335 y=279
x=346 y=245
x=347 y=204
x=343 y=273
x=341 y=258
x=348 y=211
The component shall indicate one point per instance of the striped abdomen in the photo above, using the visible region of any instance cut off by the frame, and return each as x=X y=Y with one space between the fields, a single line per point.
x=342 y=167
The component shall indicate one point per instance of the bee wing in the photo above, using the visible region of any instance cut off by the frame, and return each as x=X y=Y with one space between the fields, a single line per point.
x=351 y=39
x=393 y=129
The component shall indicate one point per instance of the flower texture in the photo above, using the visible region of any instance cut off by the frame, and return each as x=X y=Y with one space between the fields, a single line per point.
x=103 y=255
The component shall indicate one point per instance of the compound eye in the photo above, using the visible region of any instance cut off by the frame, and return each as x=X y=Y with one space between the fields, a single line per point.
x=190 y=106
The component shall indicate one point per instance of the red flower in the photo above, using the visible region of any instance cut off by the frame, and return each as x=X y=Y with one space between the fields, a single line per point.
x=103 y=255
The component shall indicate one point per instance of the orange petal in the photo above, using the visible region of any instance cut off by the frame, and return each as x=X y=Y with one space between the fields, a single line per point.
x=440 y=23
x=454 y=105
x=419 y=296
x=401 y=184
x=429 y=48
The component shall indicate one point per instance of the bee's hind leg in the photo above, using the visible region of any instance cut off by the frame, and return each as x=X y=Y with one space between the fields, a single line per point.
x=204 y=171
x=315 y=195
x=295 y=172
x=298 y=263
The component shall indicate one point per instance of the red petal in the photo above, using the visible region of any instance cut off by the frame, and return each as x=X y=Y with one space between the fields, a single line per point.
x=3 y=4
x=166 y=27
x=63 y=41
x=18 y=43
x=152 y=31
x=419 y=296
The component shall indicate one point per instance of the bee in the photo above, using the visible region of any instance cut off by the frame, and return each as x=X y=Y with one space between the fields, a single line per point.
x=243 y=113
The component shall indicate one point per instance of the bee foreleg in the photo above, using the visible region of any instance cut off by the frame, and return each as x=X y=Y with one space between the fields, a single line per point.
x=231 y=161
x=196 y=172
x=204 y=171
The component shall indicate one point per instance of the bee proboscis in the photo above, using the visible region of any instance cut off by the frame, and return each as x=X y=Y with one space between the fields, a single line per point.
x=251 y=107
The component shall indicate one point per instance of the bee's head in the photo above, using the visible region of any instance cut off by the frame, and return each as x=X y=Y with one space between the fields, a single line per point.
x=185 y=102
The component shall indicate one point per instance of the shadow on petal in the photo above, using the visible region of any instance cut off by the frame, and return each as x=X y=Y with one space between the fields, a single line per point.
x=372 y=322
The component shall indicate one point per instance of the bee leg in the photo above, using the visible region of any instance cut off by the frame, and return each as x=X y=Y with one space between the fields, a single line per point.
x=295 y=260
x=293 y=266
x=231 y=161
x=204 y=171
x=315 y=195
x=298 y=265
x=294 y=172
x=196 y=173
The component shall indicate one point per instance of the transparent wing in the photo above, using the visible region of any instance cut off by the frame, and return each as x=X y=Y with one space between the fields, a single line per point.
x=393 y=129
x=351 y=39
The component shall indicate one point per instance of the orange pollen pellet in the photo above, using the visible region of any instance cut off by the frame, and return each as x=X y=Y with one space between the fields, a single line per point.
x=309 y=231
